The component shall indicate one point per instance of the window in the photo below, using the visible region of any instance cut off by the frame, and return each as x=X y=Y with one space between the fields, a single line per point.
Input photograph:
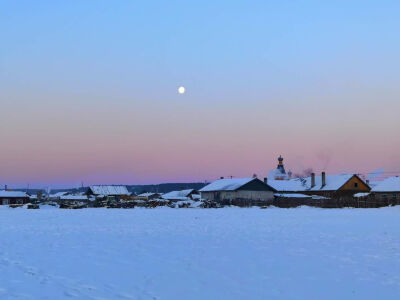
x=356 y=184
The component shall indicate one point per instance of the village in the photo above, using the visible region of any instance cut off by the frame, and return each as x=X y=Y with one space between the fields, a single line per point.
x=279 y=189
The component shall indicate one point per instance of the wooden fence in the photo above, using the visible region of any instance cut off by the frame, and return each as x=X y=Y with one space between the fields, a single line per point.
x=323 y=203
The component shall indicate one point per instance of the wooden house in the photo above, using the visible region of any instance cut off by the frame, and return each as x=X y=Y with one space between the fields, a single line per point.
x=109 y=192
x=13 y=197
x=337 y=186
x=188 y=194
x=330 y=186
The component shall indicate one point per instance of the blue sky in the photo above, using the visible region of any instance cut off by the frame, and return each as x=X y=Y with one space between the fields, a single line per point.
x=304 y=75
x=204 y=44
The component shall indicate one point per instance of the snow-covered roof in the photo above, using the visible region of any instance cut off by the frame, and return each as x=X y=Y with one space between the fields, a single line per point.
x=372 y=184
x=292 y=185
x=13 y=194
x=58 y=194
x=332 y=183
x=108 y=190
x=390 y=184
x=178 y=195
x=228 y=184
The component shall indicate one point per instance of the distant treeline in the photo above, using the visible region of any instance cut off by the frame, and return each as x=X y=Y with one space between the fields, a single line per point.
x=159 y=188
x=165 y=187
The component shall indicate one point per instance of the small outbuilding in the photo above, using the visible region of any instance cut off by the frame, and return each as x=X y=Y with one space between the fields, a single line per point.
x=183 y=195
x=110 y=192
x=387 y=190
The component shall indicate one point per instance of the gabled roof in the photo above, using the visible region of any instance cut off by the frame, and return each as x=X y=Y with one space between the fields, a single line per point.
x=390 y=184
x=332 y=183
x=178 y=195
x=109 y=190
x=228 y=184
x=13 y=194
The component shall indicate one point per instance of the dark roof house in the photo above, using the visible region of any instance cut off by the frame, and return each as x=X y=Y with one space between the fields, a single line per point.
x=238 y=190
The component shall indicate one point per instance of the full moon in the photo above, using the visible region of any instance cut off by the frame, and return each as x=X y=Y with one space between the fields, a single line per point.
x=181 y=90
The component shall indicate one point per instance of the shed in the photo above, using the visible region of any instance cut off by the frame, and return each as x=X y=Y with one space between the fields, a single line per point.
x=188 y=194
x=387 y=190
x=109 y=191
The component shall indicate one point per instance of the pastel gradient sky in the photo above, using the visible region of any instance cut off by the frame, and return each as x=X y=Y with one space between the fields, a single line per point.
x=89 y=89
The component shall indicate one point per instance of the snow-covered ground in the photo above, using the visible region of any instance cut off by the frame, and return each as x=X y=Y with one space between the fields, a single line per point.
x=230 y=253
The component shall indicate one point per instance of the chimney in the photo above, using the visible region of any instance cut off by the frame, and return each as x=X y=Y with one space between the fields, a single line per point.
x=265 y=180
x=312 y=180
x=5 y=187
x=323 y=179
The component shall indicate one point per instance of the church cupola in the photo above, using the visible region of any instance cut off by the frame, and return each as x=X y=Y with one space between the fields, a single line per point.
x=281 y=168
x=279 y=173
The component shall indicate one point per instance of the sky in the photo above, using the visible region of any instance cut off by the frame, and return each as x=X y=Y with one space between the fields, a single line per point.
x=88 y=89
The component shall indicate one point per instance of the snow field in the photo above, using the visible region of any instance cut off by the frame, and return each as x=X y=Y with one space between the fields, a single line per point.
x=229 y=253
